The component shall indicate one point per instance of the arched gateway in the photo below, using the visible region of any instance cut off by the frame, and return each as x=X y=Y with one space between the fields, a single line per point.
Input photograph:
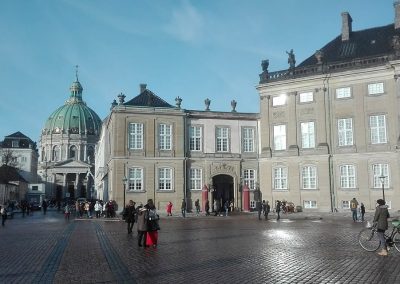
x=223 y=189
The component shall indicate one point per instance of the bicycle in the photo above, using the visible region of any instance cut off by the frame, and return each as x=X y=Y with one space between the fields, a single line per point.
x=369 y=240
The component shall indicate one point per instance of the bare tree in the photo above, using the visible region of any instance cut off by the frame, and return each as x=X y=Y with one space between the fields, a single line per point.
x=8 y=158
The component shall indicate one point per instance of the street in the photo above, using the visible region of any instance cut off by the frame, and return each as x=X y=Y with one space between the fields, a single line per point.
x=235 y=249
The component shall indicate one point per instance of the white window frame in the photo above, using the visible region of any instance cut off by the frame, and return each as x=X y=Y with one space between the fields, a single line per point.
x=248 y=139
x=280 y=178
x=306 y=97
x=252 y=204
x=348 y=176
x=280 y=137
x=377 y=124
x=14 y=144
x=195 y=178
x=310 y=204
x=345 y=204
x=222 y=139
x=250 y=178
x=376 y=88
x=345 y=132
x=165 y=178
x=307 y=134
x=343 y=93
x=309 y=177
x=135 y=136
x=195 y=138
x=279 y=100
x=135 y=179
x=165 y=136
x=379 y=170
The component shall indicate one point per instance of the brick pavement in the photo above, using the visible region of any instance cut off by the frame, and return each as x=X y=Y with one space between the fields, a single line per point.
x=236 y=249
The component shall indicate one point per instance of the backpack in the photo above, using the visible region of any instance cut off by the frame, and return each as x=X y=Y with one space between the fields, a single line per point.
x=353 y=205
x=152 y=214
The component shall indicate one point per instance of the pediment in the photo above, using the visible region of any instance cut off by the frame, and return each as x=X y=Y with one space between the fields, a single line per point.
x=72 y=164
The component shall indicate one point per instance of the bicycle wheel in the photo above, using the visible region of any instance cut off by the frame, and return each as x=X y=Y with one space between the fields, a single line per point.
x=396 y=241
x=369 y=240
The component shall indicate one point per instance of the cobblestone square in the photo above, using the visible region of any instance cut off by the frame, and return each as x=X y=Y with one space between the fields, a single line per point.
x=236 y=249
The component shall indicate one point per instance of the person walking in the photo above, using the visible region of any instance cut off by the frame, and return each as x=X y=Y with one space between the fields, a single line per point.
x=152 y=224
x=66 y=212
x=183 y=208
x=259 y=209
x=362 y=207
x=44 y=206
x=266 y=209
x=231 y=206
x=169 y=208
x=216 y=207
x=207 y=208
x=97 y=209
x=380 y=219
x=141 y=225
x=353 y=207
x=197 y=206
x=3 y=212
x=87 y=209
x=226 y=207
x=278 y=209
x=129 y=215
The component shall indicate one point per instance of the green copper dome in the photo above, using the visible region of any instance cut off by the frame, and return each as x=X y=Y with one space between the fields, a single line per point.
x=74 y=116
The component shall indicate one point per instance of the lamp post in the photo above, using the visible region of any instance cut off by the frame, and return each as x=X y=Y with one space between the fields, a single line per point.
x=124 y=180
x=382 y=178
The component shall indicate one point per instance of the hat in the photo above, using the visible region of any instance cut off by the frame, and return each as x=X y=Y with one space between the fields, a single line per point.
x=381 y=202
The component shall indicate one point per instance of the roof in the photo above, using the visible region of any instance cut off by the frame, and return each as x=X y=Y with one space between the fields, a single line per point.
x=147 y=99
x=23 y=141
x=17 y=135
x=365 y=43
x=8 y=174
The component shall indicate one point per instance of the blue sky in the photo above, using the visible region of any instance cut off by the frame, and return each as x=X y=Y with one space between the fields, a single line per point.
x=192 y=49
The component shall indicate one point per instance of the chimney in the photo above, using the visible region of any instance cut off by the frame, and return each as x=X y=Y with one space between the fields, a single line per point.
x=142 y=88
x=346 y=26
x=396 y=5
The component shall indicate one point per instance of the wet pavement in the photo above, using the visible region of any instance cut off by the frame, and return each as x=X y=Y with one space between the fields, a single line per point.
x=300 y=248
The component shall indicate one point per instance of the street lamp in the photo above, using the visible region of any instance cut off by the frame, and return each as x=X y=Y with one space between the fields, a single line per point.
x=382 y=178
x=124 y=180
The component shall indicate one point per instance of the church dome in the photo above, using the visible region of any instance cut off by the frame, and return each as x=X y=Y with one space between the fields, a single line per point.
x=74 y=117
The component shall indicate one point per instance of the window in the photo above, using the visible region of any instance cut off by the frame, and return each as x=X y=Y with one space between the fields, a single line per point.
x=248 y=140
x=306 y=97
x=345 y=131
x=347 y=176
x=222 y=139
x=375 y=89
x=279 y=100
x=195 y=179
x=345 y=204
x=280 y=137
x=342 y=93
x=23 y=159
x=252 y=204
x=309 y=177
x=378 y=129
x=165 y=179
x=195 y=136
x=90 y=155
x=165 y=132
x=135 y=179
x=35 y=187
x=307 y=135
x=73 y=152
x=280 y=178
x=249 y=178
x=310 y=204
x=14 y=143
x=379 y=170
x=135 y=136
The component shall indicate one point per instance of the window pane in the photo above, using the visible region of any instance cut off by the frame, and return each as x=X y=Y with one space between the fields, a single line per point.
x=378 y=129
x=307 y=135
x=279 y=100
x=306 y=97
x=343 y=93
x=280 y=137
x=376 y=88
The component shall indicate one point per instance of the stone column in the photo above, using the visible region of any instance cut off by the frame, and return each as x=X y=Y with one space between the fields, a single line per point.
x=64 y=184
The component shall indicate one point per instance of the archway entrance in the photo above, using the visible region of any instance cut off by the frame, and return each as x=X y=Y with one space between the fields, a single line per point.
x=223 y=189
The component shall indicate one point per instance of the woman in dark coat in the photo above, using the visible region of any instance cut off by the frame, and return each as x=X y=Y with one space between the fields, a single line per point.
x=152 y=224
x=129 y=215
x=380 y=219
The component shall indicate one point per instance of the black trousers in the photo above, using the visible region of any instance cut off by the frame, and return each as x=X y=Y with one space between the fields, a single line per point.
x=130 y=226
x=142 y=234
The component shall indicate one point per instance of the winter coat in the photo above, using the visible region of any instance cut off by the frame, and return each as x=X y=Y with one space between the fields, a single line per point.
x=381 y=216
x=141 y=219
x=129 y=213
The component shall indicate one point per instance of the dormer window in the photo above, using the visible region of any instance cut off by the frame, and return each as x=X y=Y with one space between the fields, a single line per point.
x=15 y=143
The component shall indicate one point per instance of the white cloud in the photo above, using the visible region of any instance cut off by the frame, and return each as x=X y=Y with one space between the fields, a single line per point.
x=186 y=23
